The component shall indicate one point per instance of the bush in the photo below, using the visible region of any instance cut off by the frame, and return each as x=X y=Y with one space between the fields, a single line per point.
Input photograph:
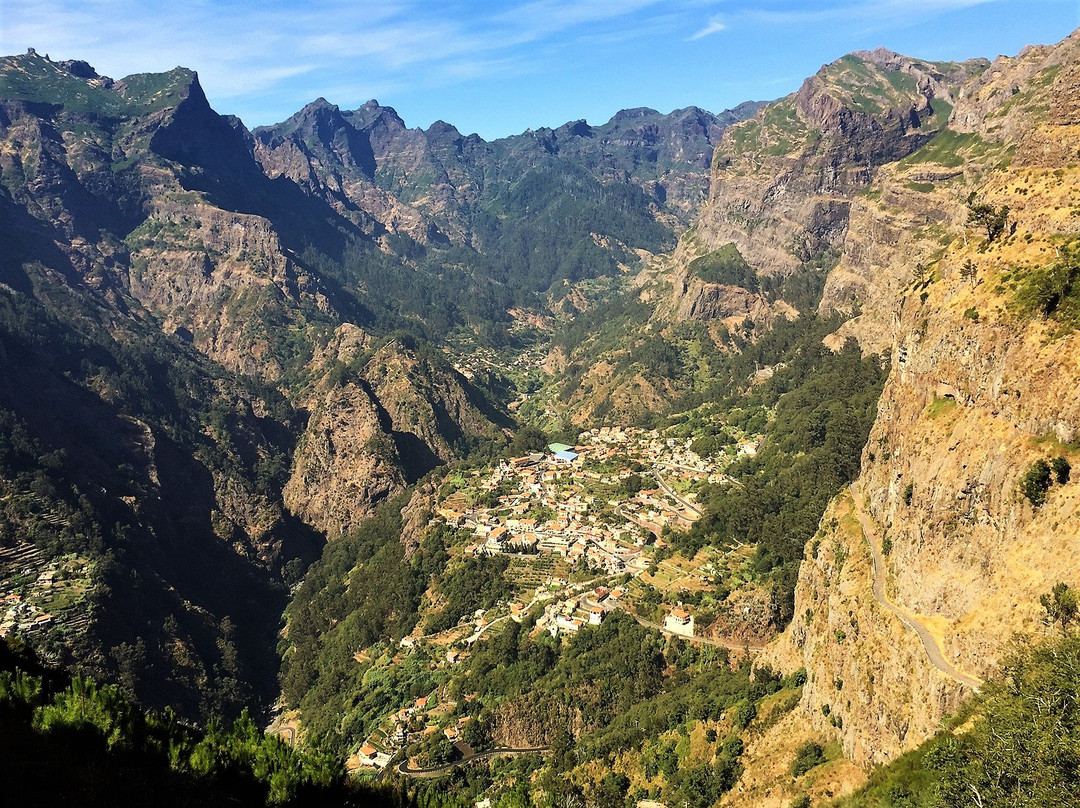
x=809 y=755
x=1035 y=482
x=909 y=492
x=1061 y=469
x=745 y=712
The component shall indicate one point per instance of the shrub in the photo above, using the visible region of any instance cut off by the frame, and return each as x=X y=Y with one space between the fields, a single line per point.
x=1035 y=482
x=909 y=491
x=745 y=712
x=809 y=755
x=1061 y=469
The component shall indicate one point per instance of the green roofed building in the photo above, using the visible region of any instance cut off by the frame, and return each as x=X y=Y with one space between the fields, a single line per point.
x=555 y=448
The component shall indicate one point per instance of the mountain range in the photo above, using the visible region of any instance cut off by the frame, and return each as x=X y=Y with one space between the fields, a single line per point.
x=240 y=369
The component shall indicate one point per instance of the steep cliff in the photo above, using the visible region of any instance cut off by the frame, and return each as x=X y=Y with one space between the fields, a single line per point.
x=380 y=422
x=982 y=387
x=784 y=181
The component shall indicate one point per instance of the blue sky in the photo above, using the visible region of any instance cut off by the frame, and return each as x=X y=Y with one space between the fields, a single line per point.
x=499 y=67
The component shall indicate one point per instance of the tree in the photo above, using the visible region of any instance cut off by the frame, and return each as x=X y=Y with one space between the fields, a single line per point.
x=992 y=219
x=528 y=439
x=1061 y=605
x=809 y=755
x=1036 y=482
x=1061 y=469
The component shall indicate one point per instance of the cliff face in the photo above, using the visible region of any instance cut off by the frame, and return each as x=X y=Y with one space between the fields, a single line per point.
x=377 y=424
x=430 y=184
x=981 y=387
x=783 y=181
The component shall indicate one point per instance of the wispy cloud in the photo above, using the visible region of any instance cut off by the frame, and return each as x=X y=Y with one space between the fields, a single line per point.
x=881 y=12
x=246 y=48
x=714 y=26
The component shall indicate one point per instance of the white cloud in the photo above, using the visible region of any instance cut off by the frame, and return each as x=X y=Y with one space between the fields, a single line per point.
x=714 y=26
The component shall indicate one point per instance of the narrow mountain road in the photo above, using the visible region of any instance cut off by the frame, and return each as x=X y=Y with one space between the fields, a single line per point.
x=671 y=492
x=436 y=771
x=930 y=646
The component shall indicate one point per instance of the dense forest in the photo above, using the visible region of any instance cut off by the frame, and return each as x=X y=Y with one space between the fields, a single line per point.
x=66 y=741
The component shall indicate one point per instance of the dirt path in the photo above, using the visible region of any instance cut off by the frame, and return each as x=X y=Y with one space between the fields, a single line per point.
x=933 y=652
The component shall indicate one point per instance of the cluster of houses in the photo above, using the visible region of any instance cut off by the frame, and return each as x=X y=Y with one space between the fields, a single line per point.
x=570 y=615
x=26 y=584
x=22 y=615
x=545 y=513
x=422 y=711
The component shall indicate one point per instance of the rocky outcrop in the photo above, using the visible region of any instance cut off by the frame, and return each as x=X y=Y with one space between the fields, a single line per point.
x=783 y=182
x=377 y=423
x=345 y=463
x=979 y=389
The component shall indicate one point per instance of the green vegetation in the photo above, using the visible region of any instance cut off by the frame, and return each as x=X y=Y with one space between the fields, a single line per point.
x=1061 y=606
x=992 y=219
x=950 y=149
x=1035 y=482
x=361 y=592
x=809 y=755
x=476 y=584
x=824 y=406
x=726 y=266
x=76 y=742
x=1018 y=749
x=1053 y=291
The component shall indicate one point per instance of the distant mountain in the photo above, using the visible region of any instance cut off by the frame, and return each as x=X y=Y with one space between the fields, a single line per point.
x=431 y=184
x=213 y=343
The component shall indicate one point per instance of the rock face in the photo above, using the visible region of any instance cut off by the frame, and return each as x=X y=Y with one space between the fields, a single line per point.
x=783 y=182
x=428 y=184
x=980 y=388
x=377 y=424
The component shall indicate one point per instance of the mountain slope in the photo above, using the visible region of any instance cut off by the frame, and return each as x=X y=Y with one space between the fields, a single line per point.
x=982 y=389
x=160 y=338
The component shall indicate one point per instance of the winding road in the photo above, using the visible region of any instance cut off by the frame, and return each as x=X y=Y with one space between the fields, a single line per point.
x=929 y=644
x=667 y=489
x=435 y=771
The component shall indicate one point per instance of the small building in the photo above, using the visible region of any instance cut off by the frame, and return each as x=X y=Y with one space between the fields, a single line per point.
x=679 y=621
x=366 y=755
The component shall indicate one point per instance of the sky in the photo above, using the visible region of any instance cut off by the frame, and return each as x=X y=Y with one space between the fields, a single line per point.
x=498 y=67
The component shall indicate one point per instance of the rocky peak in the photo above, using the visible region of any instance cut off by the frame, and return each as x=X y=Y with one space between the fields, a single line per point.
x=783 y=181
x=578 y=128
x=79 y=68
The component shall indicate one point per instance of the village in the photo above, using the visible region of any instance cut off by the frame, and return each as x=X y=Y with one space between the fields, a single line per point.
x=37 y=596
x=586 y=527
